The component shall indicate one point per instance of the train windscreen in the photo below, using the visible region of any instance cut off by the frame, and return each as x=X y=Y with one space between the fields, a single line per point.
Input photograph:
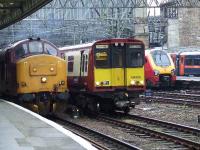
x=102 y=56
x=119 y=56
x=134 y=56
x=160 y=58
x=35 y=47
x=50 y=49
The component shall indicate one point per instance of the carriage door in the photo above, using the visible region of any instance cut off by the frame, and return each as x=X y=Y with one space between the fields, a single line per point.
x=84 y=64
x=118 y=64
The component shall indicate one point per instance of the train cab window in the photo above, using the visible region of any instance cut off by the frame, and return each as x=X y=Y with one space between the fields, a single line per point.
x=50 y=49
x=35 y=47
x=117 y=58
x=135 y=56
x=102 y=56
x=161 y=58
x=70 y=63
x=21 y=50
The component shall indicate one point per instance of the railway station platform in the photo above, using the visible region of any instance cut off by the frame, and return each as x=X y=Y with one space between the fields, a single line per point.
x=22 y=129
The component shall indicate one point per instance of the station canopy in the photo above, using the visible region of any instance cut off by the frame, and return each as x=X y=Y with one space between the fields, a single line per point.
x=12 y=11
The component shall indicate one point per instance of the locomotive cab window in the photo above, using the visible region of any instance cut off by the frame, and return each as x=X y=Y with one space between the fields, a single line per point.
x=102 y=56
x=50 y=49
x=35 y=47
x=135 y=56
x=21 y=50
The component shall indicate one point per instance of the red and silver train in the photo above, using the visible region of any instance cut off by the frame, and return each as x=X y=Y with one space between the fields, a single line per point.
x=159 y=68
x=105 y=74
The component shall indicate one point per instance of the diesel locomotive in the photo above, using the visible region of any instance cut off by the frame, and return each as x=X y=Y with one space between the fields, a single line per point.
x=31 y=72
x=106 y=74
x=159 y=69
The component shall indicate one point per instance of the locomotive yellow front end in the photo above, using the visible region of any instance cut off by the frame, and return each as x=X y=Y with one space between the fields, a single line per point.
x=41 y=78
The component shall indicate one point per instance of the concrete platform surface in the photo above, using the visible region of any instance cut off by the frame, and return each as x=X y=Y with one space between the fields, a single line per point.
x=21 y=129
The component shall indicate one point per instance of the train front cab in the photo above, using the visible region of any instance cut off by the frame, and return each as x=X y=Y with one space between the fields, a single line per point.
x=32 y=73
x=119 y=72
x=159 y=69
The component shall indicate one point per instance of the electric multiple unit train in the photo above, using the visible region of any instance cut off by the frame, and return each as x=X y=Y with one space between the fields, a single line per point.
x=105 y=74
x=159 y=68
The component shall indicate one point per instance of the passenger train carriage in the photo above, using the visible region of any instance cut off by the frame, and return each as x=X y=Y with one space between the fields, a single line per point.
x=106 y=74
x=187 y=63
x=159 y=68
x=32 y=72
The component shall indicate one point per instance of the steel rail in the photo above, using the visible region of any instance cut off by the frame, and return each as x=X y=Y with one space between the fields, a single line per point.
x=90 y=135
x=145 y=130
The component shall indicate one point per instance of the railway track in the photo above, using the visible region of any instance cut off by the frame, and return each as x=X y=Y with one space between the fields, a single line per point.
x=175 y=98
x=182 y=94
x=184 y=136
x=97 y=139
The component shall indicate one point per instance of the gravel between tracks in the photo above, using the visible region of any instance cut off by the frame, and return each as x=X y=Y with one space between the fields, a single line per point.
x=184 y=115
x=139 y=141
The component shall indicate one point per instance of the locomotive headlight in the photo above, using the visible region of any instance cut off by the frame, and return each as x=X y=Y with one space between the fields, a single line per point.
x=51 y=69
x=97 y=83
x=173 y=72
x=34 y=69
x=142 y=82
x=43 y=79
x=156 y=72
x=133 y=82
x=62 y=82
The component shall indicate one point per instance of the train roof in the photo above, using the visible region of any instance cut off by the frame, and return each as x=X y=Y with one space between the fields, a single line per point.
x=79 y=46
x=190 y=53
x=147 y=51
x=25 y=40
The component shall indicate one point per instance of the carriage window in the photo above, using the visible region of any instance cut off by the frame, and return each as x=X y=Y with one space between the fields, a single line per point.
x=189 y=62
x=197 y=61
x=135 y=56
x=21 y=50
x=70 y=63
x=86 y=63
x=161 y=58
x=50 y=49
x=35 y=47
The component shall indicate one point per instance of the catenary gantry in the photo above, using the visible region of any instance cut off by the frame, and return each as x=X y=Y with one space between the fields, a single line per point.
x=12 y=11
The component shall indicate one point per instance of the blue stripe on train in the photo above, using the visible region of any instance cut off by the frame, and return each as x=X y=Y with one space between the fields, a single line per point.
x=192 y=71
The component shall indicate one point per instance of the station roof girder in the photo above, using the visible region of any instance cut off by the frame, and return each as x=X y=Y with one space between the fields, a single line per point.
x=12 y=11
